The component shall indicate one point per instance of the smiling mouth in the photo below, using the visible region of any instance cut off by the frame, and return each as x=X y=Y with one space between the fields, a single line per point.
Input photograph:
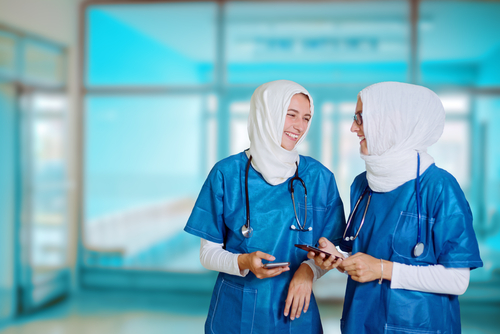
x=361 y=138
x=292 y=135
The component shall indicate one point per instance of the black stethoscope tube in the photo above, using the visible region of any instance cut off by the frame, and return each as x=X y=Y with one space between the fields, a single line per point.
x=247 y=230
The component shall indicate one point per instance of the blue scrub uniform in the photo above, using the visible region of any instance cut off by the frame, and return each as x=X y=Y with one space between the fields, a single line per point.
x=390 y=233
x=248 y=304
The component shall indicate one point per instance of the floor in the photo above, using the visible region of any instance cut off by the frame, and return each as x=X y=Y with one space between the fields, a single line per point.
x=100 y=312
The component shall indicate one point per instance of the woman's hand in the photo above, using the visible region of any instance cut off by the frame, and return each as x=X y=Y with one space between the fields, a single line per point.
x=253 y=262
x=321 y=260
x=365 y=268
x=299 y=292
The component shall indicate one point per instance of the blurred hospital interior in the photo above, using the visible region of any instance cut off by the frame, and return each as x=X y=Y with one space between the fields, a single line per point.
x=112 y=113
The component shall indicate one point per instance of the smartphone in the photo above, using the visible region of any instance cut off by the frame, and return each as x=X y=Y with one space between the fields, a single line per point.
x=276 y=265
x=315 y=250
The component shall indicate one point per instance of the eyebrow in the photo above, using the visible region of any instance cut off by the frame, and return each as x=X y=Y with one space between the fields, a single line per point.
x=298 y=112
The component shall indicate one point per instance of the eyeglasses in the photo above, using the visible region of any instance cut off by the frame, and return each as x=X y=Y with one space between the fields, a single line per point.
x=358 y=118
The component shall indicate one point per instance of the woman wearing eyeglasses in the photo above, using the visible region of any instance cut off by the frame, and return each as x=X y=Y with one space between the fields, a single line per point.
x=254 y=207
x=409 y=242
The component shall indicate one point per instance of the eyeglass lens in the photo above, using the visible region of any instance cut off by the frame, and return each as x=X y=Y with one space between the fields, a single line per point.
x=358 y=118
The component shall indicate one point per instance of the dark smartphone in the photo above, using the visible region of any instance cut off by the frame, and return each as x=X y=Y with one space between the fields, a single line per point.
x=272 y=265
x=315 y=250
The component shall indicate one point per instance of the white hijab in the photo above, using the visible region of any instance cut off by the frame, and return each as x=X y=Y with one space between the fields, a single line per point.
x=266 y=121
x=399 y=120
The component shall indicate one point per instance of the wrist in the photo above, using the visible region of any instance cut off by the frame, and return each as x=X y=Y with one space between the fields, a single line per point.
x=387 y=274
x=306 y=271
x=242 y=262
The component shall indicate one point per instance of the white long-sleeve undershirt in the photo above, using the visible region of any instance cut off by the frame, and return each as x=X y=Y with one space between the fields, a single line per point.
x=214 y=257
x=433 y=279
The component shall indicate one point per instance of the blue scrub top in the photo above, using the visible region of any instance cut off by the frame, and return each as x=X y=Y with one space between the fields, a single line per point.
x=390 y=233
x=248 y=304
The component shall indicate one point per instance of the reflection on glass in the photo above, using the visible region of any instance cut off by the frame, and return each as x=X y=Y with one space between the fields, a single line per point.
x=459 y=42
x=351 y=165
x=316 y=42
x=239 y=135
x=151 y=44
x=327 y=129
x=488 y=109
x=8 y=287
x=452 y=151
x=49 y=183
x=144 y=166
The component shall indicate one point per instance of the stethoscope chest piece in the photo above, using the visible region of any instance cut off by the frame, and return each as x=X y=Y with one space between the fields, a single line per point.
x=418 y=249
x=246 y=231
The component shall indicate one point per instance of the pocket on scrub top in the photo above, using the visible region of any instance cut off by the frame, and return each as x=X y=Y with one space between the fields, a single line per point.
x=234 y=310
x=405 y=235
x=393 y=329
x=306 y=236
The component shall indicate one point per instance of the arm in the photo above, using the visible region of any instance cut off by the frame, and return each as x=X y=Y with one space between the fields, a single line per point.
x=214 y=257
x=434 y=279
x=318 y=272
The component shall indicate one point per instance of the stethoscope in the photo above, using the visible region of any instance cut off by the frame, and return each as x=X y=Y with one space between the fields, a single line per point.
x=247 y=230
x=418 y=249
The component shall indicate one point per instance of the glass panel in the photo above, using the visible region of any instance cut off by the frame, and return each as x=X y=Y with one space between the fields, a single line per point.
x=351 y=165
x=49 y=197
x=459 y=42
x=317 y=42
x=151 y=44
x=327 y=130
x=7 y=55
x=452 y=151
x=8 y=157
x=144 y=167
x=43 y=63
x=487 y=201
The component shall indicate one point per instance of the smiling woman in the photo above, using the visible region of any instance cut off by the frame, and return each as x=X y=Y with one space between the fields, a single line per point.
x=260 y=177
x=296 y=121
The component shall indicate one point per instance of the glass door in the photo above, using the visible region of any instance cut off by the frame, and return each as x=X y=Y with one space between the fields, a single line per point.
x=44 y=219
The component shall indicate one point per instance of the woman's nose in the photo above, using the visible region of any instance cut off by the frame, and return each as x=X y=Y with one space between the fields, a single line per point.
x=301 y=125
x=354 y=127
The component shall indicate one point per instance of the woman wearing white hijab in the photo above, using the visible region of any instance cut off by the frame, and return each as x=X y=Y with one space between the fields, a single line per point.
x=409 y=242
x=238 y=236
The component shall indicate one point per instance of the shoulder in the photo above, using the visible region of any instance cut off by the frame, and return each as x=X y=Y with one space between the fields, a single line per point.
x=315 y=170
x=444 y=191
x=228 y=164
x=359 y=182
x=311 y=165
x=439 y=180
x=225 y=169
